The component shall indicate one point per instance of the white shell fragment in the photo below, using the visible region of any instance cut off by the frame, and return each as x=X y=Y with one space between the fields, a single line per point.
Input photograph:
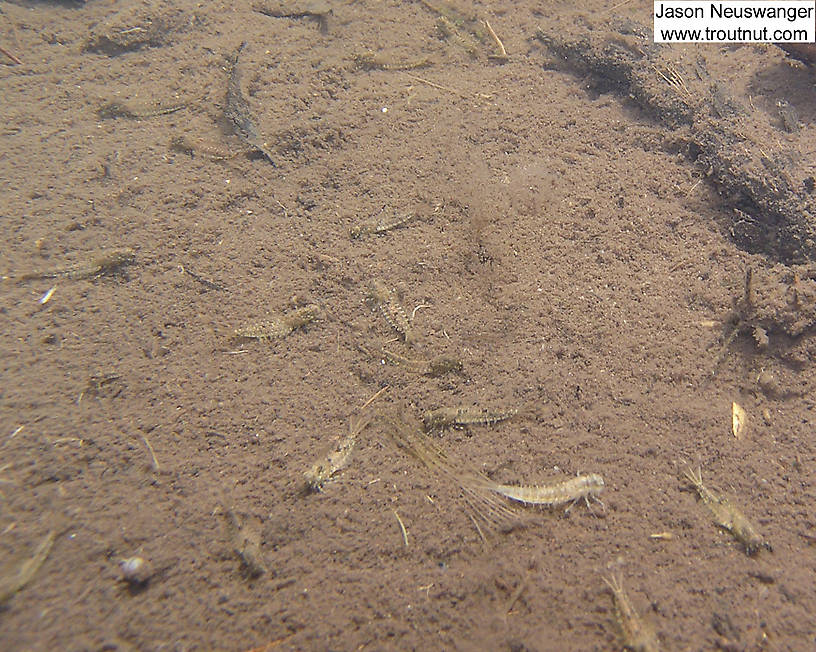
x=739 y=420
x=45 y=298
x=135 y=570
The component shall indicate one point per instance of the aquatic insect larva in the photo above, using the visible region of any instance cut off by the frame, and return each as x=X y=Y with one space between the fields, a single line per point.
x=246 y=542
x=105 y=262
x=637 y=634
x=380 y=224
x=280 y=327
x=336 y=457
x=237 y=112
x=438 y=366
x=485 y=505
x=391 y=309
x=135 y=110
x=727 y=516
x=570 y=491
x=464 y=416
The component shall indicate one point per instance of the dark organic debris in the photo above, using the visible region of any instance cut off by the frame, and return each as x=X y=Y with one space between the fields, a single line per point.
x=114 y=40
x=772 y=214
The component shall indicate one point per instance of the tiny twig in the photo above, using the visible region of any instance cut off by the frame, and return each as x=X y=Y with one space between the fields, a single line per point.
x=373 y=398
x=155 y=463
x=748 y=298
x=615 y=7
x=282 y=585
x=445 y=88
x=502 y=52
x=516 y=594
x=661 y=536
x=10 y=55
x=421 y=305
x=696 y=183
x=285 y=212
x=402 y=528
x=64 y=440
x=210 y=284
x=277 y=641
